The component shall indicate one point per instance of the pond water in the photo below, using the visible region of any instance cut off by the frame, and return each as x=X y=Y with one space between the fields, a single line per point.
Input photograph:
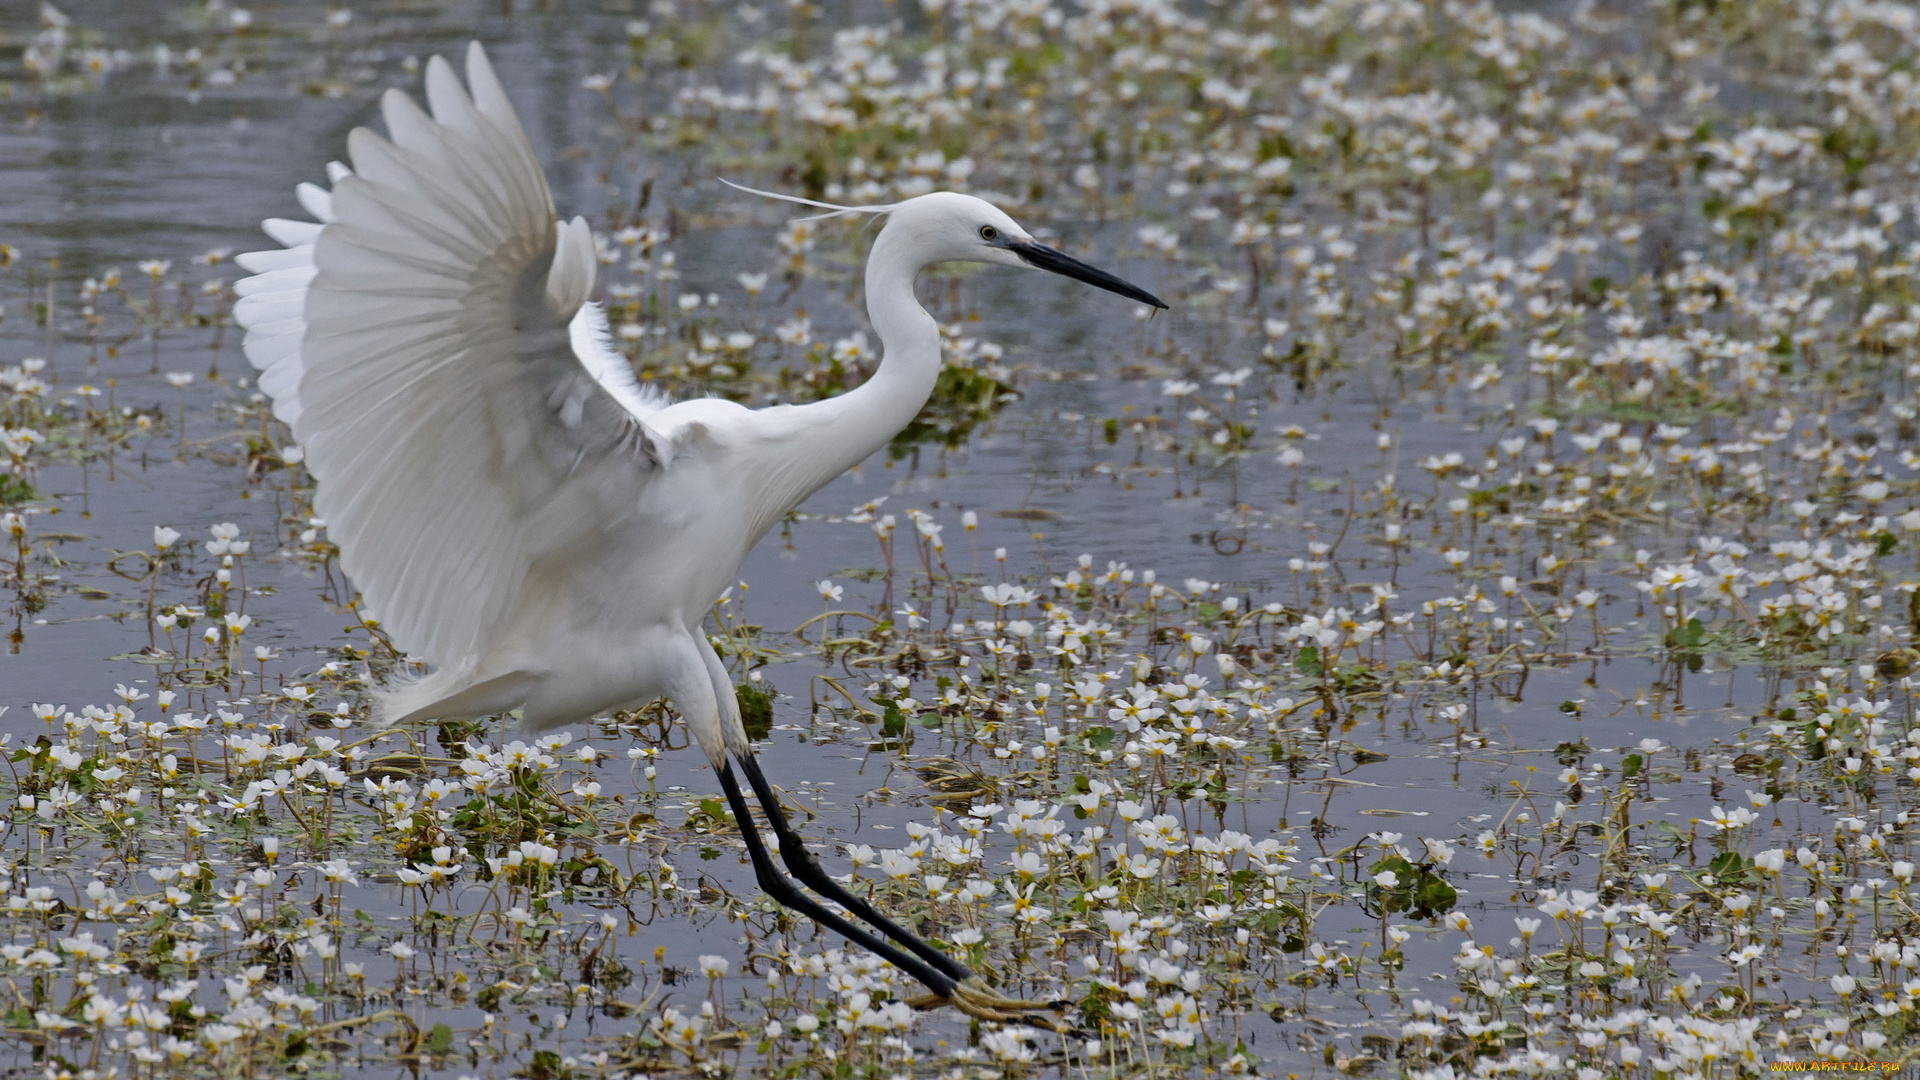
x=1469 y=633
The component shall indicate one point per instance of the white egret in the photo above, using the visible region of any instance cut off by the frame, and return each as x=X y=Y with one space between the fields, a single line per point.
x=546 y=532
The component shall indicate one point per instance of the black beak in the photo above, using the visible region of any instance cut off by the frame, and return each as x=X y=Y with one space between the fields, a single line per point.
x=1041 y=257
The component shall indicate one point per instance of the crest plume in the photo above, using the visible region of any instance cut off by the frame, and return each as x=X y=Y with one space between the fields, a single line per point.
x=834 y=209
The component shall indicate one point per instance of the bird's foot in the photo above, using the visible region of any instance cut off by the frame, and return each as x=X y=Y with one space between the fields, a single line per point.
x=982 y=1002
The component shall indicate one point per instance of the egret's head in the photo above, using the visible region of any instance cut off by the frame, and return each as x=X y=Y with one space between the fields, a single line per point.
x=946 y=226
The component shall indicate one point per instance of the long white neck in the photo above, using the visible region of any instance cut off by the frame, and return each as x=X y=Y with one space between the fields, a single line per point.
x=844 y=431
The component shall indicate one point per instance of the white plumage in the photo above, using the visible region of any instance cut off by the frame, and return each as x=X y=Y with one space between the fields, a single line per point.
x=514 y=505
x=430 y=344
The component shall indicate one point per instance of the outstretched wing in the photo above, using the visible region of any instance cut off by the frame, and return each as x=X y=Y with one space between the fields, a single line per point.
x=430 y=342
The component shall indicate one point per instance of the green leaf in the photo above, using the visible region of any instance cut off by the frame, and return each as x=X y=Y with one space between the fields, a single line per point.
x=440 y=1039
x=1572 y=753
x=1098 y=738
x=1631 y=765
x=1727 y=866
x=1308 y=662
x=1690 y=636
x=756 y=710
x=1435 y=897
x=547 y=1065
x=13 y=491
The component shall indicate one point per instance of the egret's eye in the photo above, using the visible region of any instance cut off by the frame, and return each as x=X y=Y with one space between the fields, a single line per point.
x=989 y=233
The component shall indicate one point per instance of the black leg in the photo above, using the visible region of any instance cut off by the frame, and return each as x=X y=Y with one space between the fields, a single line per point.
x=802 y=865
x=785 y=893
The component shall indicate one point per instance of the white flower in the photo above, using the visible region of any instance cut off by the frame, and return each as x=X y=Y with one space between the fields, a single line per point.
x=1006 y=594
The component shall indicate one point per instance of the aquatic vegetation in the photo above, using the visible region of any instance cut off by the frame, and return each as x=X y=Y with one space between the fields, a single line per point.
x=1529 y=464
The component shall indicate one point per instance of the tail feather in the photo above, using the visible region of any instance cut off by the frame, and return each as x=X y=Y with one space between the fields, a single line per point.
x=451 y=694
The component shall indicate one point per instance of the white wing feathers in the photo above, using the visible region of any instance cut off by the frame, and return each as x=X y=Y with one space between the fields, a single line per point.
x=431 y=344
x=575 y=264
x=592 y=343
